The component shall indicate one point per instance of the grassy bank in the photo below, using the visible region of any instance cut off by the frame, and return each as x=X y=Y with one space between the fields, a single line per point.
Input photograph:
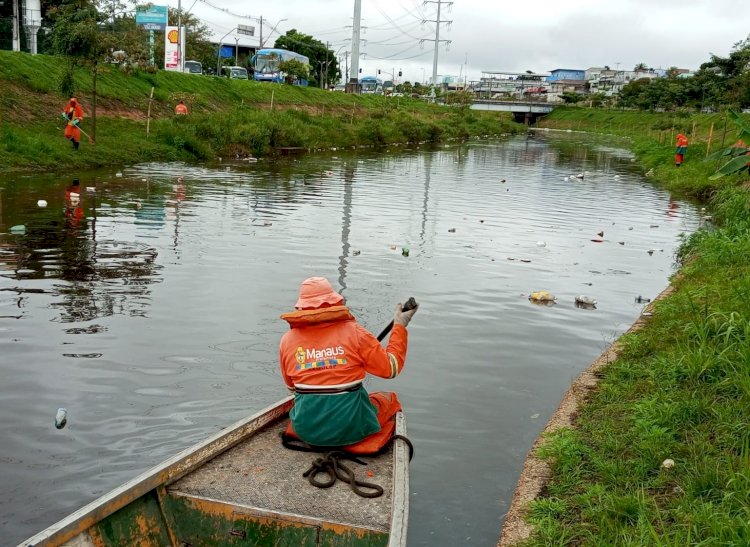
x=228 y=117
x=680 y=389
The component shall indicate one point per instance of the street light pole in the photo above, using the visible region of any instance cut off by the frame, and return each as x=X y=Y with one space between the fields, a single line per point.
x=218 y=55
x=270 y=33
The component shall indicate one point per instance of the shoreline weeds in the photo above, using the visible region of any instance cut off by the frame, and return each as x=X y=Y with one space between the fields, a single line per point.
x=536 y=472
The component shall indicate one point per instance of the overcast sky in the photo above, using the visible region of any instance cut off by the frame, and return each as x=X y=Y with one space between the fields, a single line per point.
x=497 y=35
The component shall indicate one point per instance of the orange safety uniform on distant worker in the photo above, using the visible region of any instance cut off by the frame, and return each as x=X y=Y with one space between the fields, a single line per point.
x=181 y=109
x=73 y=113
x=679 y=153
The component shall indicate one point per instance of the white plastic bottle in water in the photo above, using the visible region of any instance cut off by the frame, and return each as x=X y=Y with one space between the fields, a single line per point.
x=61 y=418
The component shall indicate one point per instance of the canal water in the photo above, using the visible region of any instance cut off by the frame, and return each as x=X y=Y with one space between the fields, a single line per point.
x=150 y=310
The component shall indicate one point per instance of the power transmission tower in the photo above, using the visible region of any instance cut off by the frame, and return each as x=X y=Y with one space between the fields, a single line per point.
x=437 y=40
x=353 y=83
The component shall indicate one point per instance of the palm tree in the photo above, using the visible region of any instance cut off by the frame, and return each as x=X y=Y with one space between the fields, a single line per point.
x=640 y=67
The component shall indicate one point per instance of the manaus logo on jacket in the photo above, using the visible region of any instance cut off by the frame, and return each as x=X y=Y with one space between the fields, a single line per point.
x=315 y=358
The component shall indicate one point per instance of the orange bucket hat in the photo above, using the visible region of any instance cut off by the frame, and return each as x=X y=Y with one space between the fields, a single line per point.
x=316 y=291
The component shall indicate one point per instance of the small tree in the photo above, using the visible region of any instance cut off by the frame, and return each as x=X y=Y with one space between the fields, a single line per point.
x=294 y=71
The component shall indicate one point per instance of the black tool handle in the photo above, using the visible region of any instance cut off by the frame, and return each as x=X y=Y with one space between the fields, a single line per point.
x=409 y=305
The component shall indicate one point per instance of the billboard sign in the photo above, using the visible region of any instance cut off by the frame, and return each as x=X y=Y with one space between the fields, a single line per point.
x=151 y=17
x=172 y=55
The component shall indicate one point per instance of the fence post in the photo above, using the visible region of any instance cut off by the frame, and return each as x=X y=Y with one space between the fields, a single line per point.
x=148 y=115
x=710 y=136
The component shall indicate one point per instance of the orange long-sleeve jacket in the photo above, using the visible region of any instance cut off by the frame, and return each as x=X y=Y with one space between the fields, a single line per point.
x=326 y=349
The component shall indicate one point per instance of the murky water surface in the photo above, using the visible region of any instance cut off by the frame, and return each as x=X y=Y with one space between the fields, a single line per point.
x=150 y=311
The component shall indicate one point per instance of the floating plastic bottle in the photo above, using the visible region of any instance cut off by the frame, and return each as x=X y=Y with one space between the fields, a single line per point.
x=405 y=251
x=41 y=203
x=542 y=296
x=61 y=418
x=585 y=302
x=18 y=229
x=641 y=299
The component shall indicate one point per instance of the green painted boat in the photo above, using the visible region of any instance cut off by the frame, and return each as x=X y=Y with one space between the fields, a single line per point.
x=242 y=487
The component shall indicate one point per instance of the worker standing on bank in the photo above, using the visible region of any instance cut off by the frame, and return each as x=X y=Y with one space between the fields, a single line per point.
x=181 y=109
x=73 y=116
x=324 y=359
x=679 y=153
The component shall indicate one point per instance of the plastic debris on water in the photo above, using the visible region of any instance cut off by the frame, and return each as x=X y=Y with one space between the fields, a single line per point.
x=61 y=418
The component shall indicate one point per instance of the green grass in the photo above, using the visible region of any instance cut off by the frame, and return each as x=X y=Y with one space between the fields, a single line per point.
x=228 y=117
x=679 y=390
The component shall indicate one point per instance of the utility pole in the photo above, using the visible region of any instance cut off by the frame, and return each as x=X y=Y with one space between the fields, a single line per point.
x=437 y=39
x=353 y=84
x=16 y=33
x=180 y=37
x=260 y=36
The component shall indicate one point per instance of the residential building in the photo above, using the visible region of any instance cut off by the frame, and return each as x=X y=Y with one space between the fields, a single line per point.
x=566 y=74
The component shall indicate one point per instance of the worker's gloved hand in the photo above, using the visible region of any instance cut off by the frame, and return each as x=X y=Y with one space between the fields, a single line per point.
x=401 y=317
x=75 y=122
x=63 y=116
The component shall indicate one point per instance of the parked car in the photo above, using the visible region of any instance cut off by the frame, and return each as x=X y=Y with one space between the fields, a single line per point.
x=193 y=67
x=235 y=72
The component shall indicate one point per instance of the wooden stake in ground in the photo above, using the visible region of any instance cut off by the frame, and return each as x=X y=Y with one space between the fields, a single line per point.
x=710 y=136
x=148 y=114
x=272 y=91
x=692 y=134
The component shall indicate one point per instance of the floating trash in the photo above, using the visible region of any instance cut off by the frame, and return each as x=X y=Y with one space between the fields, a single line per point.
x=598 y=240
x=647 y=314
x=641 y=299
x=541 y=243
x=585 y=299
x=356 y=253
x=393 y=247
x=118 y=174
x=654 y=226
x=502 y=180
x=405 y=251
x=526 y=260
x=41 y=203
x=61 y=418
x=18 y=229
x=451 y=230
x=481 y=221
x=534 y=416
x=621 y=242
x=92 y=189
x=542 y=296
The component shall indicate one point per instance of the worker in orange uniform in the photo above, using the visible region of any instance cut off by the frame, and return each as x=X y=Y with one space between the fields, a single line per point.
x=679 y=153
x=324 y=359
x=181 y=109
x=73 y=116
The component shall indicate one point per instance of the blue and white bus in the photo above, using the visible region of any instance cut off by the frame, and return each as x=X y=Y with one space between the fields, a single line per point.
x=266 y=64
x=371 y=84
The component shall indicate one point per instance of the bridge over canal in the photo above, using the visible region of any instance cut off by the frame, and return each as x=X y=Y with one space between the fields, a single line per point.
x=523 y=111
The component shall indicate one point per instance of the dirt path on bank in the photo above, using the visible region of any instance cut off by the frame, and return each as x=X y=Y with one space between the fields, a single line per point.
x=536 y=472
